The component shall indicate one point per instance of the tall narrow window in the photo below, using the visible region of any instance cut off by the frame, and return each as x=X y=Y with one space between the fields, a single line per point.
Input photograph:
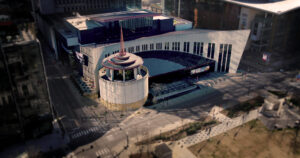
x=166 y=46
x=173 y=45
x=198 y=48
x=158 y=46
x=151 y=46
x=195 y=48
x=224 y=58
x=208 y=50
x=220 y=58
x=201 y=49
x=228 y=58
x=213 y=51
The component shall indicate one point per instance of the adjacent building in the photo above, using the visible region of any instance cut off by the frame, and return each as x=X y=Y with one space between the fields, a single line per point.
x=25 y=110
x=273 y=23
x=46 y=7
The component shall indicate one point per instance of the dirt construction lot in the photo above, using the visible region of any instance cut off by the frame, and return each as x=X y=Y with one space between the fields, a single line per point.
x=249 y=141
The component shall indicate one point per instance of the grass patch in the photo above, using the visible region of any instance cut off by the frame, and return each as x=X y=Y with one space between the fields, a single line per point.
x=295 y=100
x=279 y=94
x=250 y=143
x=244 y=107
x=180 y=133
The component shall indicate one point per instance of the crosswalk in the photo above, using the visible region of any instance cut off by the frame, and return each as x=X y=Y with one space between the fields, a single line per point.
x=85 y=132
x=105 y=153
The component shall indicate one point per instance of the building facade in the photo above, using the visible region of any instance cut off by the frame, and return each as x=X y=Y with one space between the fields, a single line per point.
x=224 y=47
x=25 y=110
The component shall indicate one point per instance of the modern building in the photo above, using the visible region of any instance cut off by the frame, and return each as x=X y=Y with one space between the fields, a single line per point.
x=223 y=47
x=123 y=80
x=87 y=40
x=273 y=23
x=69 y=36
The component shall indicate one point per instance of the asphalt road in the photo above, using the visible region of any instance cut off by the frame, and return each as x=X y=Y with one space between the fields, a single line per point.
x=83 y=119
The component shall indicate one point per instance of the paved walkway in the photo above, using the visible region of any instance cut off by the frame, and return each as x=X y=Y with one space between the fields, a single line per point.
x=181 y=147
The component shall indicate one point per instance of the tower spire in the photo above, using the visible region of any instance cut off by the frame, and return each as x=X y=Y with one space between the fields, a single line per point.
x=122 y=52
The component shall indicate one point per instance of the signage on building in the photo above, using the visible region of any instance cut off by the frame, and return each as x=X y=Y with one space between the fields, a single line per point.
x=200 y=70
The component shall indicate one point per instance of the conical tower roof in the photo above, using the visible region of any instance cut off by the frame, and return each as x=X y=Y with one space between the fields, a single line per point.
x=122 y=60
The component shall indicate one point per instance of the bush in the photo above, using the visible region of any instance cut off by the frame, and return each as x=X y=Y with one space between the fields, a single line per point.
x=278 y=93
x=295 y=101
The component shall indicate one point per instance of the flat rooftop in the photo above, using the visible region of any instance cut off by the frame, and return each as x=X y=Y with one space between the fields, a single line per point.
x=178 y=21
x=83 y=23
x=271 y=6
x=160 y=17
x=124 y=15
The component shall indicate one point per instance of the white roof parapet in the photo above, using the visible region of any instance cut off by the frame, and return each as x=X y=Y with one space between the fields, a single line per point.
x=276 y=7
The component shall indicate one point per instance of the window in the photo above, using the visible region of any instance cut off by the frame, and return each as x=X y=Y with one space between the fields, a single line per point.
x=166 y=46
x=144 y=47
x=255 y=28
x=137 y=48
x=208 y=50
x=173 y=45
x=201 y=49
x=4 y=101
x=151 y=46
x=220 y=58
x=194 y=50
x=25 y=90
x=186 y=46
x=197 y=49
x=228 y=58
x=176 y=46
x=224 y=58
x=244 y=20
x=131 y=49
x=213 y=51
x=158 y=46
